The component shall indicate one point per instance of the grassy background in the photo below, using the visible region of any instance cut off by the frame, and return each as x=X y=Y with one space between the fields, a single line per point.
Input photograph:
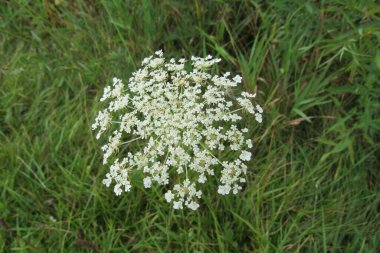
x=313 y=185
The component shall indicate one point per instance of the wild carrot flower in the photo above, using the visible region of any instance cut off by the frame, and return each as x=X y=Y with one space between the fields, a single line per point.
x=181 y=120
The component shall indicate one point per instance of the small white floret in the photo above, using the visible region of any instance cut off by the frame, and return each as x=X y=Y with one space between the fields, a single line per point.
x=237 y=79
x=117 y=189
x=169 y=196
x=245 y=156
x=147 y=182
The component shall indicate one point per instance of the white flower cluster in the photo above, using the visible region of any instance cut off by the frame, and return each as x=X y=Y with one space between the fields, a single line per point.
x=181 y=119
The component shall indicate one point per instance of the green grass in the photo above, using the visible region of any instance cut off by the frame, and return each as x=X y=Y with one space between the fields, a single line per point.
x=313 y=185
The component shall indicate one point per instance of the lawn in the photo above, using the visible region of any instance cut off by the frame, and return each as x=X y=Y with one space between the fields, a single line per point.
x=313 y=184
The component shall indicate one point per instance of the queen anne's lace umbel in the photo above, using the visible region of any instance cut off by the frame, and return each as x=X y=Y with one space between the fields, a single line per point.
x=181 y=120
